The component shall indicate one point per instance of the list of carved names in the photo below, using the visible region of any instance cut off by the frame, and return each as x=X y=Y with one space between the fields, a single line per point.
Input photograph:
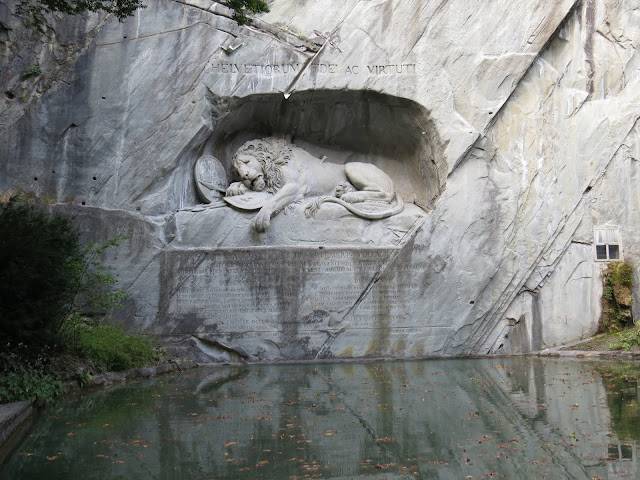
x=262 y=289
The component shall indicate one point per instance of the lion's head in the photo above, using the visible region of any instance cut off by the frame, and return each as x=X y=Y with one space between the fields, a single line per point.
x=271 y=155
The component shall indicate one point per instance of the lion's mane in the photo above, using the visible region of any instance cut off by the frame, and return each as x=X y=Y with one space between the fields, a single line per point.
x=273 y=154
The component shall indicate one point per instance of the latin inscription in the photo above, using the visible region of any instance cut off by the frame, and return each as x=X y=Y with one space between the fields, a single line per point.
x=270 y=289
x=272 y=69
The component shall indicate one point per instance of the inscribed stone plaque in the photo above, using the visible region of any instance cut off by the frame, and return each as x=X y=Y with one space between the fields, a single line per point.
x=285 y=295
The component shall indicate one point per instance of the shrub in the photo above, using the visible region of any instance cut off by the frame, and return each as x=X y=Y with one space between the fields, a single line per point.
x=37 y=256
x=32 y=71
x=626 y=340
x=92 y=283
x=46 y=277
x=110 y=347
x=21 y=380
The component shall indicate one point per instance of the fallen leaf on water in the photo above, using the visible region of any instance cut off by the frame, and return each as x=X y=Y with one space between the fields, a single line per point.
x=386 y=440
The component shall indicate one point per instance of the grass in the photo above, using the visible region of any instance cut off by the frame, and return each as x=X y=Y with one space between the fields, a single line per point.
x=110 y=348
x=89 y=348
x=627 y=340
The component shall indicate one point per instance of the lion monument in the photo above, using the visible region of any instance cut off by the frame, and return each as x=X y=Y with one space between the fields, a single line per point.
x=284 y=174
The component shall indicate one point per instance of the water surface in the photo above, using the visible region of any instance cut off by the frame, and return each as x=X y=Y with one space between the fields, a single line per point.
x=451 y=419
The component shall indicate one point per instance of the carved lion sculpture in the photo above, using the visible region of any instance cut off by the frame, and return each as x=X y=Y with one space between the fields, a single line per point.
x=290 y=174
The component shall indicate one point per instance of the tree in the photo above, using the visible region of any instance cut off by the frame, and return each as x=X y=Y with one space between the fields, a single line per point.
x=34 y=10
x=46 y=278
x=240 y=8
x=37 y=256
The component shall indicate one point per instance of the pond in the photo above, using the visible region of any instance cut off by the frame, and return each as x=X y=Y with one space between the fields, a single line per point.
x=512 y=418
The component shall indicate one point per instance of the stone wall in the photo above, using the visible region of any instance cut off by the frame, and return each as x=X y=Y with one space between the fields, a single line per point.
x=509 y=130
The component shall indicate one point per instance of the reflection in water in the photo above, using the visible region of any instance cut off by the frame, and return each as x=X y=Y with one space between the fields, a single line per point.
x=621 y=382
x=498 y=418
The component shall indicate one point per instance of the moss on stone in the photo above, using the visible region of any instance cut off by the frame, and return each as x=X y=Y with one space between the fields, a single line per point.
x=347 y=352
x=399 y=347
x=417 y=349
x=617 y=297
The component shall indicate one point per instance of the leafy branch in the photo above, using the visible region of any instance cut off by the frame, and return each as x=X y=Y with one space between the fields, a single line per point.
x=34 y=10
x=241 y=7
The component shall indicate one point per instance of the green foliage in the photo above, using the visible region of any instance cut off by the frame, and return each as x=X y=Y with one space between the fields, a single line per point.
x=37 y=256
x=621 y=273
x=92 y=282
x=22 y=380
x=83 y=378
x=616 y=313
x=626 y=340
x=612 y=320
x=32 y=71
x=608 y=290
x=50 y=288
x=240 y=8
x=46 y=278
x=34 y=10
x=110 y=347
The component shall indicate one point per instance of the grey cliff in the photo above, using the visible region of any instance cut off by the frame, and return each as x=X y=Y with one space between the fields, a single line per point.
x=507 y=132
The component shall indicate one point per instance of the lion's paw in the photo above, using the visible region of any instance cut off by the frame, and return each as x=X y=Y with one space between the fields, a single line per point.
x=351 y=197
x=236 y=188
x=262 y=221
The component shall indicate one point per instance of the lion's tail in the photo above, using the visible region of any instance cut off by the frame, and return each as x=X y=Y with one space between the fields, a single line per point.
x=399 y=207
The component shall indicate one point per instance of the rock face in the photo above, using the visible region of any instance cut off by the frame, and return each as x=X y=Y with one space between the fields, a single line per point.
x=509 y=132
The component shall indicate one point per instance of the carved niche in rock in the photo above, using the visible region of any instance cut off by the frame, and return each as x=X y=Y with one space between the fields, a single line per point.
x=274 y=174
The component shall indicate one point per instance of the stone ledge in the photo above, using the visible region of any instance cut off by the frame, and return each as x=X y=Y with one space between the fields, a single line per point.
x=145 y=372
x=590 y=354
x=12 y=415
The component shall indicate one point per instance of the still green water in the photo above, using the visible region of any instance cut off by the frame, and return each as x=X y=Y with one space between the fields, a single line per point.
x=518 y=418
